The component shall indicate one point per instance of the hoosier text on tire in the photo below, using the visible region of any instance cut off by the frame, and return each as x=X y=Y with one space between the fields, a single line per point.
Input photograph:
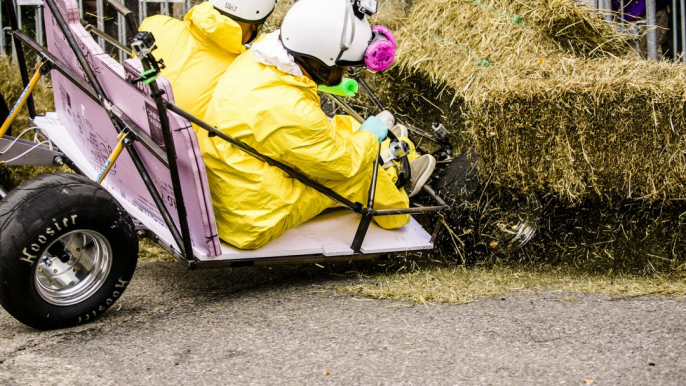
x=67 y=251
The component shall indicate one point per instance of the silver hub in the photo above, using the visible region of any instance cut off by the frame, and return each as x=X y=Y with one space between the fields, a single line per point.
x=73 y=268
x=505 y=229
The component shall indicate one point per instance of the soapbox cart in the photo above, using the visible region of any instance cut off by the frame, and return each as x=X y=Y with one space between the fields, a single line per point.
x=69 y=241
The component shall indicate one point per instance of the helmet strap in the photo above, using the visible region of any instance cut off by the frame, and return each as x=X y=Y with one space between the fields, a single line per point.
x=255 y=33
x=319 y=76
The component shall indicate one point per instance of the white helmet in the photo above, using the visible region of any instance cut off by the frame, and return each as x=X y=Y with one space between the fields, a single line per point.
x=246 y=11
x=330 y=31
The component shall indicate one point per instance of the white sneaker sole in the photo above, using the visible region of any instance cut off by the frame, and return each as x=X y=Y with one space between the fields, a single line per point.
x=425 y=176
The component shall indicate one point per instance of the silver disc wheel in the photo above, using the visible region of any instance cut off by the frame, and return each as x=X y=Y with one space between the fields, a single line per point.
x=73 y=267
x=508 y=222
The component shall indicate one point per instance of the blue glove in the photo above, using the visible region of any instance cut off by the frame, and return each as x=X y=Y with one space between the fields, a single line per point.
x=375 y=126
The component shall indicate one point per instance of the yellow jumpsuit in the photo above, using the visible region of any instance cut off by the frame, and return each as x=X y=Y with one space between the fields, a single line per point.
x=196 y=52
x=279 y=115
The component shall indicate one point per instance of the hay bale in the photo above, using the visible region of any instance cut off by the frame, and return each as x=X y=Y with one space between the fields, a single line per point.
x=613 y=130
x=556 y=104
x=551 y=96
x=627 y=236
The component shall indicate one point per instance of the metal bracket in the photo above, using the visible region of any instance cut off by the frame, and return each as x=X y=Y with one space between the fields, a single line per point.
x=15 y=151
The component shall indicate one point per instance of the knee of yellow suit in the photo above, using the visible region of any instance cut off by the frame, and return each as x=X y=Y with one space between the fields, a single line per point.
x=392 y=222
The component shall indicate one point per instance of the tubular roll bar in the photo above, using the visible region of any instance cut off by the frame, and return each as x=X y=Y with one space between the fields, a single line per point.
x=120 y=122
x=92 y=29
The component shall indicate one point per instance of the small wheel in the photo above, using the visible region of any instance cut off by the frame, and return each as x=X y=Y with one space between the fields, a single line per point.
x=508 y=220
x=459 y=179
x=489 y=221
x=67 y=251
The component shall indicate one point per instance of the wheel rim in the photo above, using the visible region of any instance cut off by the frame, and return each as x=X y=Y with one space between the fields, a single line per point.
x=506 y=229
x=73 y=267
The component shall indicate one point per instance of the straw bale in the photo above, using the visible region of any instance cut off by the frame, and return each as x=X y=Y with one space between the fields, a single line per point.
x=612 y=130
x=550 y=96
x=627 y=236
x=557 y=105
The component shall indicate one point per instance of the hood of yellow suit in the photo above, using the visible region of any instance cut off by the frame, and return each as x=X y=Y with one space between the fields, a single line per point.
x=206 y=23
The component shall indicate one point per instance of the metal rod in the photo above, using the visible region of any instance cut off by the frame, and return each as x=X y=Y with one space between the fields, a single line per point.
x=307 y=259
x=367 y=217
x=355 y=206
x=417 y=210
x=131 y=23
x=362 y=232
x=433 y=194
x=100 y=11
x=121 y=36
x=112 y=158
x=140 y=167
x=19 y=52
x=368 y=91
x=434 y=234
x=62 y=24
x=108 y=38
x=607 y=6
x=346 y=108
x=675 y=38
x=621 y=12
x=651 y=29
x=173 y=166
x=682 y=10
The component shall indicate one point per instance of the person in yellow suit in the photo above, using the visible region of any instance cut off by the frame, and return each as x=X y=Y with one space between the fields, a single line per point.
x=268 y=99
x=199 y=49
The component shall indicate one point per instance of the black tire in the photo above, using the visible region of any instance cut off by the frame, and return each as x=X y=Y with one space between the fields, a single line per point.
x=490 y=221
x=67 y=251
x=458 y=180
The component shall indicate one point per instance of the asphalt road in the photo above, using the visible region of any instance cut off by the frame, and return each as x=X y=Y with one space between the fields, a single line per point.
x=289 y=326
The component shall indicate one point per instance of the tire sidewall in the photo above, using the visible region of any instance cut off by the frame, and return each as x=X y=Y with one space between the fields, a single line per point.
x=93 y=209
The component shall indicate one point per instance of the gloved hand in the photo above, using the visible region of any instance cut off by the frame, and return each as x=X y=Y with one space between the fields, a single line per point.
x=387 y=118
x=375 y=126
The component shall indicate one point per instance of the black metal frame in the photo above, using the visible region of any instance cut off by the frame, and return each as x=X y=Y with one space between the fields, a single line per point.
x=121 y=123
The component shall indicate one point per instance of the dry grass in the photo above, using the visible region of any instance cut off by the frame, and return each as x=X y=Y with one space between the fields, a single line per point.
x=149 y=251
x=441 y=284
x=11 y=88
